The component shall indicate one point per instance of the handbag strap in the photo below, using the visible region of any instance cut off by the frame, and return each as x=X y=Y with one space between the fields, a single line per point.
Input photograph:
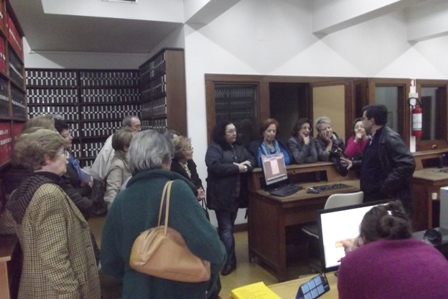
x=166 y=194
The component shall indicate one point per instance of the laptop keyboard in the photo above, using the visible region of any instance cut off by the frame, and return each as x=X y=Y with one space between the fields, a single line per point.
x=286 y=190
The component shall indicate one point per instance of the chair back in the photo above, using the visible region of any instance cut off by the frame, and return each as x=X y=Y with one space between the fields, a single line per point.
x=344 y=199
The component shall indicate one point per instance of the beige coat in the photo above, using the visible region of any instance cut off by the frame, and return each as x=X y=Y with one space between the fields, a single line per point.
x=59 y=260
x=118 y=174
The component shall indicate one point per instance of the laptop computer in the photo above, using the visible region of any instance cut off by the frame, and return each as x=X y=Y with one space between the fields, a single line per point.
x=336 y=225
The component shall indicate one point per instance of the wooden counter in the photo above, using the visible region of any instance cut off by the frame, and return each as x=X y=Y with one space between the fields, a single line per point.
x=270 y=215
x=8 y=251
x=425 y=182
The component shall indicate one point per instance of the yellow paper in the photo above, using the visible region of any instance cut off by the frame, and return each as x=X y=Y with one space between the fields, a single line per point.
x=254 y=291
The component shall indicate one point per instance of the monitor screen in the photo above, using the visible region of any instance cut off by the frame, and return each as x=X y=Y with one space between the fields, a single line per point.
x=336 y=225
x=274 y=168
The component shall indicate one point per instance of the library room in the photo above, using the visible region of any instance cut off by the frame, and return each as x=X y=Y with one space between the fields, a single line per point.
x=287 y=128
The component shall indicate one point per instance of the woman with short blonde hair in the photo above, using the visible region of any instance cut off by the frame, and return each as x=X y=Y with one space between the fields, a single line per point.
x=184 y=165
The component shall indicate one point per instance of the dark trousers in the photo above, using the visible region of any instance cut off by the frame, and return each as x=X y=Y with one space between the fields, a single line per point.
x=226 y=222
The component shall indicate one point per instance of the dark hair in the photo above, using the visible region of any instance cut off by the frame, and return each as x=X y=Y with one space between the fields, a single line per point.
x=378 y=112
x=299 y=124
x=354 y=124
x=60 y=125
x=219 y=131
x=267 y=123
x=388 y=222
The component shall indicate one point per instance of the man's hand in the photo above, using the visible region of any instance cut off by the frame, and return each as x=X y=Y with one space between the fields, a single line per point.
x=346 y=163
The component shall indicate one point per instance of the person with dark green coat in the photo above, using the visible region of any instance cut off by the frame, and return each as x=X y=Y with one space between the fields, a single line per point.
x=135 y=209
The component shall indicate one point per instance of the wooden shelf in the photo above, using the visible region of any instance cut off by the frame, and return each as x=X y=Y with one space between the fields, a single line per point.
x=168 y=67
x=73 y=92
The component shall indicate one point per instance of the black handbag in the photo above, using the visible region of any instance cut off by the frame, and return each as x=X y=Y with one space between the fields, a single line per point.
x=335 y=157
x=204 y=206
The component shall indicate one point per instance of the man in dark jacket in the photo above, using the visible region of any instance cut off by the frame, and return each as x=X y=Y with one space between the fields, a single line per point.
x=387 y=165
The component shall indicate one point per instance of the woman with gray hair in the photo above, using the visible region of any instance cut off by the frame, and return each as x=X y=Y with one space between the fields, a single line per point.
x=58 y=257
x=326 y=140
x=135 y=209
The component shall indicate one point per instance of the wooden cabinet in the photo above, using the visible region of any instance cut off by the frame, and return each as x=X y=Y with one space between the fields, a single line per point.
x=12 y=83
x=162 y=89
x=93 y=102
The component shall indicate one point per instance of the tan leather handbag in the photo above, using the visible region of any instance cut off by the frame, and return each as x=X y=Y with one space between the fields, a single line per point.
x=161 y=251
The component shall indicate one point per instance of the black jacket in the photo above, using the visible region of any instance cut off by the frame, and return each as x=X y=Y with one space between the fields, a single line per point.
x=176 y=167
x=223 y=176
x=321 y=145
x=399 y=165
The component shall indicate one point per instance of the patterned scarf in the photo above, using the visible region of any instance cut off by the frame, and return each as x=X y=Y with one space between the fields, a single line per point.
x=22 y=196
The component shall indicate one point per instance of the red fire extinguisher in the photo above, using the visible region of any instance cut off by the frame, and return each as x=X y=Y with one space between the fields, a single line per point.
x=417 y=120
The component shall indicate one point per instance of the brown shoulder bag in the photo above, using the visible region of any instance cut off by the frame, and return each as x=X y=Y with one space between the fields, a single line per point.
x=161 y=251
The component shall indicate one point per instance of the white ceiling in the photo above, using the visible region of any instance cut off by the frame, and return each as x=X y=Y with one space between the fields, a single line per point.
x=74 y=33
x=98 y=26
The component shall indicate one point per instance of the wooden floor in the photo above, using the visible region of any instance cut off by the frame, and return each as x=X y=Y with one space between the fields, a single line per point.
x=246 y=273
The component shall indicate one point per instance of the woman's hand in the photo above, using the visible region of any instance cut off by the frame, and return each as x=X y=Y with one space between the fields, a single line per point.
x=352 y=244
x=243 y=166
x=306 y=139
x=359 y=137
x=201 y=194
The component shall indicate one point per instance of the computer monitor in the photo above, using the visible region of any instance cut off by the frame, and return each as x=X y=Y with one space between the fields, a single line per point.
x=274 y=169
x=336 y=225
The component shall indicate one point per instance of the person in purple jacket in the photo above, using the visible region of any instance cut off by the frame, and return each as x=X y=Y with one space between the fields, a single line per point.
x=385 y=262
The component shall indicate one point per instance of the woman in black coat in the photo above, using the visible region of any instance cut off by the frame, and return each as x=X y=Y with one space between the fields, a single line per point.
x=227 y=166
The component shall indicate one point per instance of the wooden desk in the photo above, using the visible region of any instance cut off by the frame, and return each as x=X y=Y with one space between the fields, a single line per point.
x=425 y=182
x=8 y=244
x=270 y=215
x=256 y=177
x=288 y=289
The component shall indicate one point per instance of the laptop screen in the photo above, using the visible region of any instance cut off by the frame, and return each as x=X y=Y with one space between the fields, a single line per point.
x=336 y=225
x=274 y=168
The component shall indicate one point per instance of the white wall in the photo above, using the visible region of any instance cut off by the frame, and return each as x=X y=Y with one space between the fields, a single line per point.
x=274 y=38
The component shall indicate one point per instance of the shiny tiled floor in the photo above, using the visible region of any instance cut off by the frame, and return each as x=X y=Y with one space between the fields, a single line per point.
x=246 y=273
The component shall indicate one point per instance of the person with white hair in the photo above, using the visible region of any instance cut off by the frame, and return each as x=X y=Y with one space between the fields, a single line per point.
x=326 y=140
x=136 y=209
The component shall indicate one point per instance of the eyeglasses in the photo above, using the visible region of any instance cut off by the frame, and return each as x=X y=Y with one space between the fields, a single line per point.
x=188 y=149
x=232 y=131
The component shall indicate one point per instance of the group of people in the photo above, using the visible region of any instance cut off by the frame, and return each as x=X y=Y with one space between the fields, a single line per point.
x=59 y=255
